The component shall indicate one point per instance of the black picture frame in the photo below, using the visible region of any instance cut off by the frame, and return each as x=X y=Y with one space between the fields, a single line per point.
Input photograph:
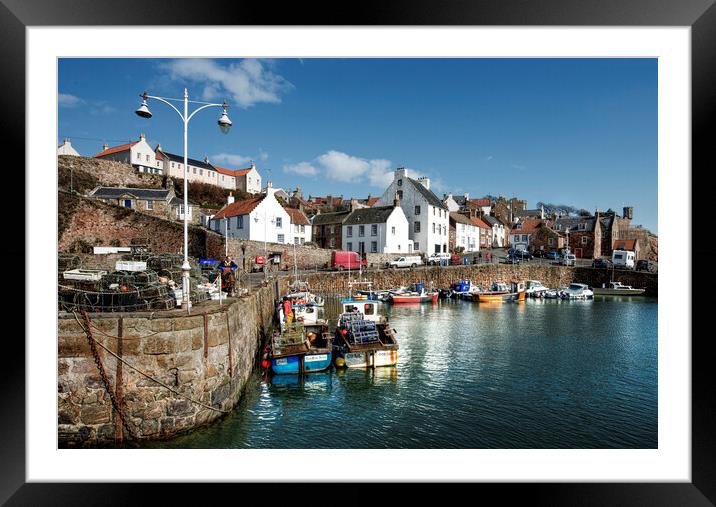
x=700 y=15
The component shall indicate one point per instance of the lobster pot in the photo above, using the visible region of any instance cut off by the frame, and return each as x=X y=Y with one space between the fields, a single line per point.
x=363 y=331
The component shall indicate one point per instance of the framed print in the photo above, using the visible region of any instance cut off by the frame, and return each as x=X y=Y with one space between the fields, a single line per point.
x=424 y=237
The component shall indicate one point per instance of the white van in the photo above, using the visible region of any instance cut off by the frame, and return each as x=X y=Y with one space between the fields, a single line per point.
x=624 y=258
x=439 y=258
x=569 y=260
x=409 y=261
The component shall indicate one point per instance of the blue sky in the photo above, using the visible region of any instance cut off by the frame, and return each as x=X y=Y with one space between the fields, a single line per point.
x=580 y=132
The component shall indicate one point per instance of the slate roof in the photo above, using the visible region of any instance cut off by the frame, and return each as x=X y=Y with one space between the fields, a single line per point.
x=179 y=201
x=330 y=218
x=460 y=200
x=429 y=195
x=239 y=208
x=492 y=221
x=190 y=161
x=528 y=213
x=375 y=215
x=573 y=223
x=150 y=194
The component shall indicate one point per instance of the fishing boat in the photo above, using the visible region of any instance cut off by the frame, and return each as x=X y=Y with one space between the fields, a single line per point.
x=300 y=291
x=416 y=294
x=535 y=289
x=463 y=289
x=364 y=338
x=617 y=289
x=500 y=292
x=299 y=348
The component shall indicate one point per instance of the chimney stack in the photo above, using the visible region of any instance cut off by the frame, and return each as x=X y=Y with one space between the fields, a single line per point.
x=354 y=204
x=230 y=199
x=425 y=182
x=206 y=159
x=142 y=137
x=105 y=147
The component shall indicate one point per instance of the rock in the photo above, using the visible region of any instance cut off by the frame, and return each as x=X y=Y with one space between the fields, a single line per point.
x=95 y=414
x=179 y=407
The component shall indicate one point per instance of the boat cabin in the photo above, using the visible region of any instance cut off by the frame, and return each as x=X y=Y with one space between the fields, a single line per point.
x=367 y=307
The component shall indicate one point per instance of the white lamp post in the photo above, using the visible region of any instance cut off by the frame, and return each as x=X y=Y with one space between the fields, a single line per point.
x=224 y=124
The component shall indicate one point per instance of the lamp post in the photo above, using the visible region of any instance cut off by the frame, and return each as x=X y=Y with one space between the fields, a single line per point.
x=224 y=124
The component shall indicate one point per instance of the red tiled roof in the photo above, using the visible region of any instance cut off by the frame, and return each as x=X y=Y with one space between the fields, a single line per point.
x=231 y=172
x=480 y=223
x=297 y=216
x=239 y=208
x=116 y=149
x=529 y=226
x=480 y=202
x=373 y=200
x=625 y=244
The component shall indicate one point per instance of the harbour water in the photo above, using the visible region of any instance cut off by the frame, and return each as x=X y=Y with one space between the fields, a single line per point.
x=538 y=374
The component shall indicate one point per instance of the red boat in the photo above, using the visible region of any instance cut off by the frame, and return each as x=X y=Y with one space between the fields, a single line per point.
x=417 y=294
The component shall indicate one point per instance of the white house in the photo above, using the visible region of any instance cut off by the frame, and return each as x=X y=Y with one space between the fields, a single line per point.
x=137 y=153
x=499 y=232
x=466 y=233
x=197 y=170
x=380 y=229
x=260 y=218
x=66 y=148
x=427 y=216
x=300 y=226
x=248 y=179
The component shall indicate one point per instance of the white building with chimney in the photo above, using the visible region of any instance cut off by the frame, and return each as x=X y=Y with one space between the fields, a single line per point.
x=428 y=218
x=379 y=229
x=260 y=218
x=138 y=153
x=66 y=148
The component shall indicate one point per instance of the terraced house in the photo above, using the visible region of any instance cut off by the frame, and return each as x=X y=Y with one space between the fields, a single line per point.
x=379 y=229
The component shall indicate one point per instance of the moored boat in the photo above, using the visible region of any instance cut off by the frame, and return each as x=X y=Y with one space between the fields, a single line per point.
x=577 y=291
x=364 y=338
x=617 y=288
x=463 y=289
x=500 y=292
x=415 y=294
x=300 y=348
x=535 y=289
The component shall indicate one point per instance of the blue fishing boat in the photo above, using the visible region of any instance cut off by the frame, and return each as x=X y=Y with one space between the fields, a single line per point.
x=300 y=348
x=463 y=289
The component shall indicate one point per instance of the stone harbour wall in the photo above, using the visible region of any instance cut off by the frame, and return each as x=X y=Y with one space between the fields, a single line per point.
x=206 y=356
x=482 y=274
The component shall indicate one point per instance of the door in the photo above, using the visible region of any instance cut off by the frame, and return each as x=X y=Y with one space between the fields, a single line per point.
x=127 y=203
x=578 y=253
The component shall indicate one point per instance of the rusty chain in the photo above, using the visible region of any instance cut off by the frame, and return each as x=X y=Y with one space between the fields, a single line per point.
x=118 y=409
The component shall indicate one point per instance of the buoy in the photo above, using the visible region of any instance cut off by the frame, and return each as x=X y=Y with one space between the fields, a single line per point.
x=340 y=362
x=265 y=364
x=344 y=332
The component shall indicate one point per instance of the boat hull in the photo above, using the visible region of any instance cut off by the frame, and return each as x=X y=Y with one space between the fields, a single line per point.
x=499 y=297
x=618 y=292
x=430 y=298
x=371 y=358
x=309 y=363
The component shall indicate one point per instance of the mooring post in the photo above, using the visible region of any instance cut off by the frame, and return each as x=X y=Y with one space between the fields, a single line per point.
x=118 y=430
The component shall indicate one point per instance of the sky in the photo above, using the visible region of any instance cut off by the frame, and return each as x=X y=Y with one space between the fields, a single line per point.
x=578 y=132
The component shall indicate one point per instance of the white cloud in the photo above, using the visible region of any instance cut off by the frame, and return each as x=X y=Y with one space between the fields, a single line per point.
x=302 y=169
x=245 y=83
x=67 y=100
x=343 y=167
x=231 y=159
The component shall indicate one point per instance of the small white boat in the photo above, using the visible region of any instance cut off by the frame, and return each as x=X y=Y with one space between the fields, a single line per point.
x=618 y=289
x=535 y=289
x=577 y=291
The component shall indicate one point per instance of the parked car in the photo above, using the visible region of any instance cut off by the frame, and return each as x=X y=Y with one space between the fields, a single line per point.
x=455 y=260
x=568 y=260
x=553 y=255
x=645 y=265
x=538 y=254
x=438 y=258
x=341 y=259
x=512 y=259
x=522 y=254
x=602 y=263
x=408 y=261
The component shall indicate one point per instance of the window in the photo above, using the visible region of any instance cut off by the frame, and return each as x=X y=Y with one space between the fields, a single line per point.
x=278 y=222
x=417 y=210
x=147 y=158
x=585 y=239
x=172 y=165
x=400 y=195
x=550 y=241
x=228 y=223
x=150 y=205
x=333 y=229
x=433 y=227
x=280 y=238
x=374 y=230
x=361 y=230
x=416 y=246
x=416 y=227
x=350 y=232
x=361 y=248
x=295 y=240
x=194 y=168
x=350 y=246
x=240 y=222
x=201 y=172
x=400 y=183
x=434 y=209
x=582 y=226
x=374 y=246
x=295 y=227
x=139 y=156
x=303 y=229
x=332 y=243
x=392 y=230
x=525 y=237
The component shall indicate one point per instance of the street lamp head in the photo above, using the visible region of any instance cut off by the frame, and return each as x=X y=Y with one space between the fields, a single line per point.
x=224 y=121
x=143 y=110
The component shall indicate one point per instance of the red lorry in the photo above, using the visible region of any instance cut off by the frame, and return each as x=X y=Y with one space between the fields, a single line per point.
x=341 y=259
